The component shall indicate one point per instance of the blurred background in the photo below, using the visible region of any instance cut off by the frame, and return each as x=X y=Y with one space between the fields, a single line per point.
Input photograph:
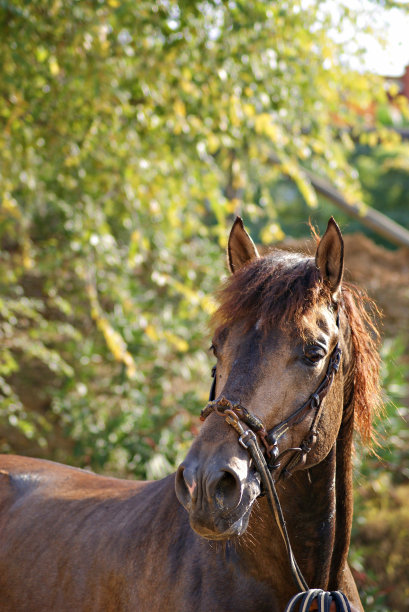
x=131 y=135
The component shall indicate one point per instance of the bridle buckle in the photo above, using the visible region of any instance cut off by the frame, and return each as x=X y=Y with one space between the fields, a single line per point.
x=244 y=434
x=248 y=434
x=233 y=420
x=314 y=401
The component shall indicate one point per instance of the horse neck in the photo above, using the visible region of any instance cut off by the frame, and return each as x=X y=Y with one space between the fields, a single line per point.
x=344 y=499
x=317 y=507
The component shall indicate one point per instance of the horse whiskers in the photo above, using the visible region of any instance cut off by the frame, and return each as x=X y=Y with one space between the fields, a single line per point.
x=246 y=540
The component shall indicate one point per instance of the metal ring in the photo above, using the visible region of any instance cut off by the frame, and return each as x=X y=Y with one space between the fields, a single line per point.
x=315 y=401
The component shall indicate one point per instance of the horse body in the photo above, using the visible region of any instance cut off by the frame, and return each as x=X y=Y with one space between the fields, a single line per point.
x=72 y=540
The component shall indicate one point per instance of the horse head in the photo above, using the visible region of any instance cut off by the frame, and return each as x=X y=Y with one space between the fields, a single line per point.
x=276 y=330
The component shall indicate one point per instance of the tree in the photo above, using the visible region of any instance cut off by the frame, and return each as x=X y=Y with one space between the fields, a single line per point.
x=129 y=133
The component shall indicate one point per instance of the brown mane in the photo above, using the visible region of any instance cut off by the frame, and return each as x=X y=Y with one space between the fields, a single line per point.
x=361 y=313
x=279 y=289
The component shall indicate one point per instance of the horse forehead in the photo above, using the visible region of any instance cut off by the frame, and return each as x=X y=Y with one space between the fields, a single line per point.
x=247 y=352
x=255 y=343
x=319 y=320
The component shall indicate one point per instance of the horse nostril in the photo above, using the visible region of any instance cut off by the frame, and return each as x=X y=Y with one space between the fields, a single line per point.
x=185 y=485
x=190 y=481
x=227 y=491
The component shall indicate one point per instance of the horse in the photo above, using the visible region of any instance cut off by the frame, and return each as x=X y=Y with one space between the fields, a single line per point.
x=297 y=371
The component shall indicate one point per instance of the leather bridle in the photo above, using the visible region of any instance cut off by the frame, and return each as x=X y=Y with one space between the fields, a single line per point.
x=270 y=439
x=270 y=460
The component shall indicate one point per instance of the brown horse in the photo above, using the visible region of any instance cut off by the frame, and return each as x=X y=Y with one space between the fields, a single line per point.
x=74 y=541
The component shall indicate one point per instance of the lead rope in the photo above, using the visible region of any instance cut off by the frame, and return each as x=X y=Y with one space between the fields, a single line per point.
x=235 y=414
x=324 y=600
x=304 y=599
x=248 y=440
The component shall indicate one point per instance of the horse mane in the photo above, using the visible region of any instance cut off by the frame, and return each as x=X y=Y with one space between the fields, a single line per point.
x=362 y=312
x=279 y=289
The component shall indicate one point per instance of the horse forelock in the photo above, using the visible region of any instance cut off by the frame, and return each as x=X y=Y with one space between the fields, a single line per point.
x=276 y=289
x=280 y=289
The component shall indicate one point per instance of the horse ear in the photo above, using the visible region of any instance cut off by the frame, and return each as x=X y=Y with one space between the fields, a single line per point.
x=241 y=249
x=329 y=257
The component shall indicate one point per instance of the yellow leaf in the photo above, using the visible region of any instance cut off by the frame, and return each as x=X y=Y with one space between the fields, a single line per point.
x=272 y=233
x=179 y=108
x=393 y=89
x=136 y=236
x=372 y=139
x=151 y=332
x=10 y=207
x=300 y=179
x=233 y=205
x=179 y=343
x=249 y=110
x=264 y=125
x=41 y=54
x=130 y=364
x=54 y=66
x=27 y=261
x=213 y=143
x=113 y=339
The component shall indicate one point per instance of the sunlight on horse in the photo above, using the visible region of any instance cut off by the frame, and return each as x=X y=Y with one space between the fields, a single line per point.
x=297 y=372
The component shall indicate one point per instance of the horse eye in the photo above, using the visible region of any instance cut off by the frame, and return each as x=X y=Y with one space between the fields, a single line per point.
x=313 y=354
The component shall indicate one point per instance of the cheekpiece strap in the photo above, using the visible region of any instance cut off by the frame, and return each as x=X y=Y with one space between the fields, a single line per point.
x=236 y=415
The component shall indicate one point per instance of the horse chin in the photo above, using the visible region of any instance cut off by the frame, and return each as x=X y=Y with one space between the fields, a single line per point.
x=219 y=531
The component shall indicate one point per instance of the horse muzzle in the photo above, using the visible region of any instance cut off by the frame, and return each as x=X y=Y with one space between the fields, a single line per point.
x=218 y=498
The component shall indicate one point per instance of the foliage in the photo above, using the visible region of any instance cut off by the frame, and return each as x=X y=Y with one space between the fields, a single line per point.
x=381 y=524
x=130 y=133
x=383 y=172
x=379 y=552
x=391 y=457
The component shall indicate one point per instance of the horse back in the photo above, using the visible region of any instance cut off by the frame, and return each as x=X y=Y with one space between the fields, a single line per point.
x=64 y=537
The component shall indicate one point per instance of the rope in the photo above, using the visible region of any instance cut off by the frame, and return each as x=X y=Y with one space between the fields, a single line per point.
x=303 y=601
x=235 y=415
x=248 y=439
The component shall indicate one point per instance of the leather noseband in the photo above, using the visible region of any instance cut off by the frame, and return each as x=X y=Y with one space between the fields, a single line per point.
x=271 y=438
x=236 y=415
